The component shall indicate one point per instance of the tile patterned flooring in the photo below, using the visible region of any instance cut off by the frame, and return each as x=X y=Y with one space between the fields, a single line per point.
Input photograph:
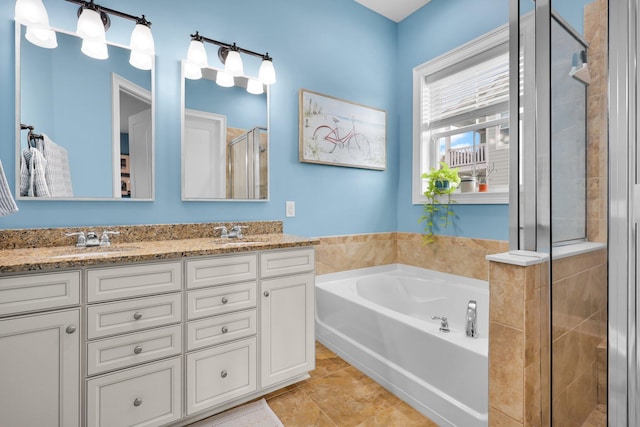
x=598 y=417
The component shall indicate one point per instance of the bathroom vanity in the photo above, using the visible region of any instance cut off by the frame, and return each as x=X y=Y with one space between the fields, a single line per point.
x=152 y=333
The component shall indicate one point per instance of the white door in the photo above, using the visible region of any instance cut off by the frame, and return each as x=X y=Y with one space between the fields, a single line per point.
x=287 y=328
x=204 y=155
x=40 y=370
x=140 y=155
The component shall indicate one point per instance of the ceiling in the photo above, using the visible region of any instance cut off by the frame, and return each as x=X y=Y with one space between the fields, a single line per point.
x=396 y=10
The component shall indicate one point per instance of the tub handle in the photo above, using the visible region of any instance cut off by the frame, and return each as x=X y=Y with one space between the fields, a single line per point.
x=444 y=323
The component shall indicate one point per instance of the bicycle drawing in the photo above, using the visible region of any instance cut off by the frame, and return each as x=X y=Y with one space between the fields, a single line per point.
x=341 y=133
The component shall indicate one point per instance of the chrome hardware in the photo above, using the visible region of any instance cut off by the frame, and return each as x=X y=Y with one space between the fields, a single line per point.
x=104 y=240
x=225 y=300
x=137 y=350
x=137 y=315
x=70 y=329
x=266 y=293
x=444 y=323
x=137 y=402
x=82 y=239
x=225 y=329
x=223 y=233
x=223 y=374
x=92 y=239
x=471 y=319
x=236 y=231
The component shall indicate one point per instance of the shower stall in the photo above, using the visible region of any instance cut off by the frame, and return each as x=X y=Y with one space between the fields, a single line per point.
x=247 y=165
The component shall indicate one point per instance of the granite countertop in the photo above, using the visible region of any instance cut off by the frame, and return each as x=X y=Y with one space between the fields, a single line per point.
x=63 y=257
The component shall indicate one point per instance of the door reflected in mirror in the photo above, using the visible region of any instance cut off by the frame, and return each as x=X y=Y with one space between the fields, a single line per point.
x=225 y=143
x=92 y=111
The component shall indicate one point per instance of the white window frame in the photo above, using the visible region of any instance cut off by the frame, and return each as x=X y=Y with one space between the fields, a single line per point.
x=475 y=47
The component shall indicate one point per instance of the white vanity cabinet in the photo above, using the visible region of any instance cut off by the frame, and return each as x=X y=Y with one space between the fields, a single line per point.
x=40 y=351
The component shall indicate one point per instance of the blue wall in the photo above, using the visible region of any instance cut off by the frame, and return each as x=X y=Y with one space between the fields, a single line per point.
x=336 y=47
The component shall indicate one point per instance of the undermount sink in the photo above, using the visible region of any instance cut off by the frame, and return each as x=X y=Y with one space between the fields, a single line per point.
x=80 y=253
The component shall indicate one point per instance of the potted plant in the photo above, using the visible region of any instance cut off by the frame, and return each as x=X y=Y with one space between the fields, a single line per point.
x=437 y=210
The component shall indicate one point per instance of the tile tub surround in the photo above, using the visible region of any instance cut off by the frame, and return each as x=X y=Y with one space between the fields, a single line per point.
x=342 y=253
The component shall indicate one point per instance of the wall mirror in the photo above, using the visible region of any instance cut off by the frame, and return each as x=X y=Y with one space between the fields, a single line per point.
x=96 y=113
x=225 y=140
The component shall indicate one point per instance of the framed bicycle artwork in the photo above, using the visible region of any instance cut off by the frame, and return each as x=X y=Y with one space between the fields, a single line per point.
x=337 y=132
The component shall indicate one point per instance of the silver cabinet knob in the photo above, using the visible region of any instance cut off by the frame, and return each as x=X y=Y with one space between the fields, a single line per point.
x=137 y=315
x=223 y=374
x=266 y=293
x=137 y=402
x=225 y=329
x=71 y=329
x=137 y=349
x=225 y=300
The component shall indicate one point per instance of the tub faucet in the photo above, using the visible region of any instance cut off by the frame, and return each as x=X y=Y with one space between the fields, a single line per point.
x=444 y=323
x=471 y=319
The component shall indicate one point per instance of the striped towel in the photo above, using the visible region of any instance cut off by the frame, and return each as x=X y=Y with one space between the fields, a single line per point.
x=57 y=173
x=7 y=204
x=32 y=174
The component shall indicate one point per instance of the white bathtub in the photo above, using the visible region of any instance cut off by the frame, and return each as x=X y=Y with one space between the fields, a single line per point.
x=379 y=320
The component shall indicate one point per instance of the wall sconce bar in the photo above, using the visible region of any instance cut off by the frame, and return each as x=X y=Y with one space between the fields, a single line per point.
x=91 y=4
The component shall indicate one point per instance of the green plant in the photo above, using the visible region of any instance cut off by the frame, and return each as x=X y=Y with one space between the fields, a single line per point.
x=437 y=210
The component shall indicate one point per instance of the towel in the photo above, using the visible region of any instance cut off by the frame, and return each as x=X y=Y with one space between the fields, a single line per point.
x=7 y=204
x=57 y=172
x=32 y=174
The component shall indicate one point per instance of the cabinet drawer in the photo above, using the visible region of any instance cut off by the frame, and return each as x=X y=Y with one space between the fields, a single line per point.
x=220 y=374
x=128 y=350
x=132 y=281
x=286 y=262
x=221 y=270
x=220 y=329
x=221 y=299
x=134 y=315
x=149 y=395
x=21 y=294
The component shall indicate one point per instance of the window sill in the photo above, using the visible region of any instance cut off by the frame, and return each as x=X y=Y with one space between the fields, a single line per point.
x=485 y=198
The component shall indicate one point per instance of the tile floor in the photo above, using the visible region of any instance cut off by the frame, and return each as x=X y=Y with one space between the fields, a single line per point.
x=598 y=417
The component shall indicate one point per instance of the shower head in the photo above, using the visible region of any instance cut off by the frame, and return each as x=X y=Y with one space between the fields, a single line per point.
x=580 y=68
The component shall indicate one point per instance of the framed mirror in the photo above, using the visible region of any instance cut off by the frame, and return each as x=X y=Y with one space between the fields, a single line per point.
x=225 y=140
x=92 y=121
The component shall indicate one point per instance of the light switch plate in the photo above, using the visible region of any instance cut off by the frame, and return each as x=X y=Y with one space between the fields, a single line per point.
x=290 y=210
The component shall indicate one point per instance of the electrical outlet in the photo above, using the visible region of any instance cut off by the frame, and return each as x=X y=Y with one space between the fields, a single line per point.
x=290 y=210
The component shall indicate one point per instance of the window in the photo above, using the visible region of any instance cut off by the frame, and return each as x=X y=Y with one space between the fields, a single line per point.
x=461 y=116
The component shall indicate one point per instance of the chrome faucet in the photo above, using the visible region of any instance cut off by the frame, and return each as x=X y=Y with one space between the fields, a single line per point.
x=90 y=239
x=224 y=233
x=444 y=323
x=236 y=231
x=472 y=319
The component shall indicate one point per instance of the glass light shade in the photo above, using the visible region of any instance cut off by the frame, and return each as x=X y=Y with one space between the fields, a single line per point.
x=95 y=49
x=42 y=36
x=225 y=79
x=192 y=71
x=29 y=12
x=233 y=63
x=140 y=60
x=267 y=74
x=90 y=25
x=142 y=40
x=197 y=54
x=255 y=87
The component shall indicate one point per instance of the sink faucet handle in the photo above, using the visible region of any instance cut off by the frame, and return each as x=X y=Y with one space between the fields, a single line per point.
x=444 y=323
x=224 y=233
x=104 y=240
x=237 y=230
x=82 y=239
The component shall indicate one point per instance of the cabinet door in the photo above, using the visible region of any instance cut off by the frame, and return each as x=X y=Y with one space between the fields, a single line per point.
x=40 y=370
x=287 y=329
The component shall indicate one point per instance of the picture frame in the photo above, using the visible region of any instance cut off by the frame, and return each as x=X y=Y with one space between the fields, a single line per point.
x=125 y=186
x=337 y=132
x=124 y=163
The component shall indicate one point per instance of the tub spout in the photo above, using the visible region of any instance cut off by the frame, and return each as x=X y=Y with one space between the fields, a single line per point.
x=471 y=320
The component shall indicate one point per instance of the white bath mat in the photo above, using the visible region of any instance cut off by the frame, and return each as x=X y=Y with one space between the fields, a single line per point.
x=256 y=414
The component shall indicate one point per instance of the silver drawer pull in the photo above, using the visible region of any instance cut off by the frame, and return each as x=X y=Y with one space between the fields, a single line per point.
x=225 y=329
x=71 y=329
x=137 y=349
x=223 y=374
x=225 y=300
x=137 y=315
x=137 y=402
x=266 y=293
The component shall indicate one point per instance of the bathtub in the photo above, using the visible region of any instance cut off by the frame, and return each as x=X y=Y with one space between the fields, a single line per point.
x=379 y=320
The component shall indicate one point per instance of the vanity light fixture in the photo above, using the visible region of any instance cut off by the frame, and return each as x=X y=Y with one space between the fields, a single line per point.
x=255 y=87
x=33 y=15
x=229 y=55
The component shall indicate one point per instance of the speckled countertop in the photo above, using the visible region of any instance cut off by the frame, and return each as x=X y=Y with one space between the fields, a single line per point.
x=54 y=257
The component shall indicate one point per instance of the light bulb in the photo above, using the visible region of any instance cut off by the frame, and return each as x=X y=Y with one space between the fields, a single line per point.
x=267 y=74
x=224 y=79
x=90 y=25
x=197 y=54
x=192 y=71
x=29 y=12
x=140 y=60
x=142 y=40
x=233 y=63
x=95 y=49
x=255 y=87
